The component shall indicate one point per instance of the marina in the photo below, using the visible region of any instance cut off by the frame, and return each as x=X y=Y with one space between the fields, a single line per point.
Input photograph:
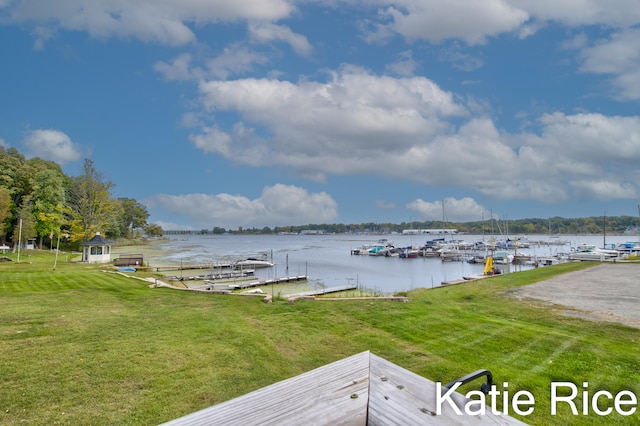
x=408 y=262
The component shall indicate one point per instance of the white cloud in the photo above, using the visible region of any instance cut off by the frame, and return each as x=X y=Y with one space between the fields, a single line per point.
x=52 y=145
x=611 y=13
x=593 y=138
x=3 y=144
x=604 y=189
x=584 y=155
x=618 y=56
x=455 y=210
x=265 y=32
x=43 y=34
x=235 y=59
x=161 y=21
x=178 y=69
x=469 y=20
x=460 y=60
x=405 y=65
x=353 y=116
x=409 y=129
x=473 y=21
x=278 y=205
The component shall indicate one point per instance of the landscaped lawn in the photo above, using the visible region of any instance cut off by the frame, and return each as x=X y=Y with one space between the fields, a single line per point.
x=79 y=345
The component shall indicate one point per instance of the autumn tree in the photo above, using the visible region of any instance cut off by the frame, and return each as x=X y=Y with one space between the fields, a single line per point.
x=92 y=207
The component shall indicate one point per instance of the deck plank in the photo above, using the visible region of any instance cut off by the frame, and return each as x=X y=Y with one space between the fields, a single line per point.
x=360 y=390
x=400 y=397
x=335 y=394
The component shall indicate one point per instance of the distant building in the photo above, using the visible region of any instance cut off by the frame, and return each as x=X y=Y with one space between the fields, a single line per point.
x=429 y=231
x=632 y=230
x=312 y=232
x=96 y=250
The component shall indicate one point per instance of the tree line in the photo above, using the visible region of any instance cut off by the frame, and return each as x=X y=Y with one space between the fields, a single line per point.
x=39 y=201
x=532 y=226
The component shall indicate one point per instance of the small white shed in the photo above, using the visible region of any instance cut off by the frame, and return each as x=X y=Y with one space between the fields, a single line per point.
x=96 y=250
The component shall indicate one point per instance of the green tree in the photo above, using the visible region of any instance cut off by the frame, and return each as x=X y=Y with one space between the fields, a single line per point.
x=5 y=212
x=92 y=208
x=153 y=230
x=49 y=201
x=26 y=227
x=134 y=215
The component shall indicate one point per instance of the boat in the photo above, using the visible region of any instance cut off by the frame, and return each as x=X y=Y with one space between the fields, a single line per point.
x=630 y=247
x=382 y=247
x=251 y=263
x=502 y=257
x=478 y=258
x=409 y=253
x=592 y=252
x=520 y=258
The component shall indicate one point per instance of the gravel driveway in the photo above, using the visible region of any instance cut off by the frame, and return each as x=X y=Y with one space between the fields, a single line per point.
x=606 y=292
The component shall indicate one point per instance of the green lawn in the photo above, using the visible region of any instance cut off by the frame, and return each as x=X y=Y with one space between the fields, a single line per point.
x=83 y=346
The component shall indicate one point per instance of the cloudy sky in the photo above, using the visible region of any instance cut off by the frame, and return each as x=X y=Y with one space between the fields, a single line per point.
x=274 y=112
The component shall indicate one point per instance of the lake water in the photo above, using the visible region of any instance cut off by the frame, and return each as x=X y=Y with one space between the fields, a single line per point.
x=326 y=258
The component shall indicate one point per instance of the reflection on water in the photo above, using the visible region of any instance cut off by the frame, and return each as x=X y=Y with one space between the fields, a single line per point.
x=327 y=258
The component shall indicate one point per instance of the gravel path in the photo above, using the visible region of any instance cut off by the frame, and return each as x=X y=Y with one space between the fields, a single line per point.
x=606 y=292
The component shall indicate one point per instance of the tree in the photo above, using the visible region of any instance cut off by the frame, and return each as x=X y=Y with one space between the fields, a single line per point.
x=92 y=207
x=153 y=230
x=134 y=215
x=49 y=202
x=26 y=229
x=5 y=211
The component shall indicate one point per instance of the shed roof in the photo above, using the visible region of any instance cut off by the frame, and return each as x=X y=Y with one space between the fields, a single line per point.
x=97 y=240
x=363 y=389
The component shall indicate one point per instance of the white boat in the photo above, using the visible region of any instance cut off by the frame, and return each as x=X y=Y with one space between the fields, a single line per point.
x=251 y=263
x=630 y=247
x=502 y=257
x=592 y=252
x=383 y=247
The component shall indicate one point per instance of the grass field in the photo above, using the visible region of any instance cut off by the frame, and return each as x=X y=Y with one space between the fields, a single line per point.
x=82 y=346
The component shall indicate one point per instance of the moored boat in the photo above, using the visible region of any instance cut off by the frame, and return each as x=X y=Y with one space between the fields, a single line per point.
x=592 y=252
x=251 y=263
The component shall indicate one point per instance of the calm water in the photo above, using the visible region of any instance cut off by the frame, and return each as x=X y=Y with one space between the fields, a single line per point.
x=327 y=258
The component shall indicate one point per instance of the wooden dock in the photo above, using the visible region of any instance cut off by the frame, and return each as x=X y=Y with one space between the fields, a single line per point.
x=326 y=290
x=218 y=276
x=250 y=284
x=212 y=266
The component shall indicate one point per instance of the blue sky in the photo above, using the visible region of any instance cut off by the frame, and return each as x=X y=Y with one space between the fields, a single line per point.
x=275 y=112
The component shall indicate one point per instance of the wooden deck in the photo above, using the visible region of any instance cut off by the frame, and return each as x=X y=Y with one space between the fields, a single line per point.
x=240 y=285
x=360 y=390
x=325 y=290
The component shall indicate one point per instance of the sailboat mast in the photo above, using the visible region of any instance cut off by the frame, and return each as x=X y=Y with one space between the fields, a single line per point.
x=604 y=230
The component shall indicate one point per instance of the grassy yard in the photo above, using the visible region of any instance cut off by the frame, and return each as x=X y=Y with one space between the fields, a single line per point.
x=82 y=346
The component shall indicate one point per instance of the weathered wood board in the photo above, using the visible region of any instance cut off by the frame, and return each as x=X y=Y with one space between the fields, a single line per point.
x=363 y=389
